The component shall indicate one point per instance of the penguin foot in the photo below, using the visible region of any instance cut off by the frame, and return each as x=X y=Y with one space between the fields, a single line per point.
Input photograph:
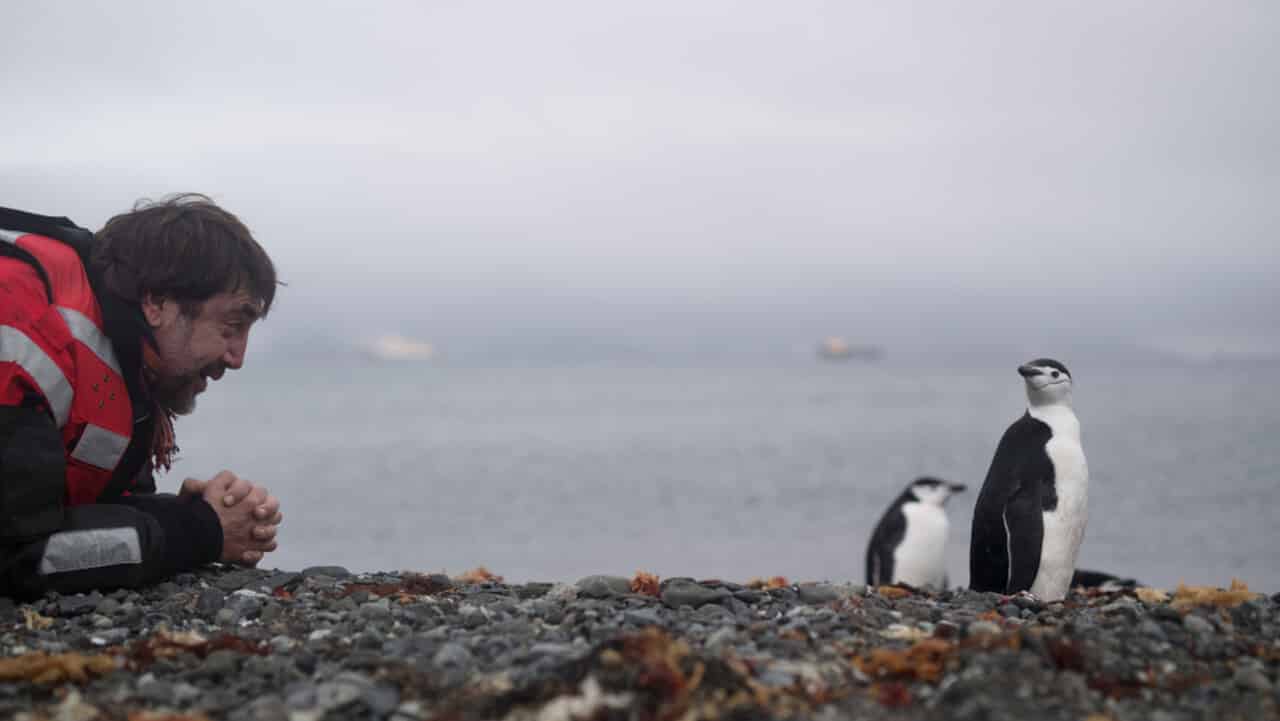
x=1028 y=596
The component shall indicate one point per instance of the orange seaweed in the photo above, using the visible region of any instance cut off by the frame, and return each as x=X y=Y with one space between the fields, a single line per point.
x=645 y=583
x=43 y=668
x=1189 y=596
x=923 y=660
x=479 y=574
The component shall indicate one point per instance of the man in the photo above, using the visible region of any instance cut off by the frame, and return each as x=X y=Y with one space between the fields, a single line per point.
x=103 y=341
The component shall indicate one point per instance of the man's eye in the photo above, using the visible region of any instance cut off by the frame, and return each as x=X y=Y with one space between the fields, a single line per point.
x=1055 y=374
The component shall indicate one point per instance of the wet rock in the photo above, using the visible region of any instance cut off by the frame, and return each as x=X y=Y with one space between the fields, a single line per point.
x=267 y=708
x=453 y=654
x=209 y=601
x=817 y=593
x=1252 y=678
x=983 y=628
x=78 y=605
x=109 y=637
x=1152 y=629
x=689 y=593
x=379 y=610
x=156 y=691
x=328 y=571
x=643 y=617
x=603 y=586
x=1248 y=616
x=1197 y=625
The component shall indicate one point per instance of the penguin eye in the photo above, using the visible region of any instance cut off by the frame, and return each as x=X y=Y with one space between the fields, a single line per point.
x=1055 y=374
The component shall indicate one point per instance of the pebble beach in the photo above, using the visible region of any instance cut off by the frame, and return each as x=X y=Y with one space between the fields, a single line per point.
x=323 y=643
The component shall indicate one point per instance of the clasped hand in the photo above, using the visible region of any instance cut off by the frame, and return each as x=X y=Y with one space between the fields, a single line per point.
x=249 y=515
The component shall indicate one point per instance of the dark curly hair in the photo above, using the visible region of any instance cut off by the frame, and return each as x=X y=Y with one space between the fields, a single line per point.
x=183 y=247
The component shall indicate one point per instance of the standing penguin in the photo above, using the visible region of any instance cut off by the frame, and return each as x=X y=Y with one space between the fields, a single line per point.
x=1033 y=506
x=909 y=544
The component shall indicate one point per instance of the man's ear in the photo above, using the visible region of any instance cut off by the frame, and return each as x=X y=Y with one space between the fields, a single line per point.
x=159 y=310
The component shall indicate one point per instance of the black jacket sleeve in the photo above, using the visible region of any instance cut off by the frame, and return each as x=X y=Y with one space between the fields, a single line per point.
x=44 y=545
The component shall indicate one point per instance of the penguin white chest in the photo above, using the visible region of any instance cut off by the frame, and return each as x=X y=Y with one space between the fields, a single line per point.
x=920 y=559
x=1064 y=524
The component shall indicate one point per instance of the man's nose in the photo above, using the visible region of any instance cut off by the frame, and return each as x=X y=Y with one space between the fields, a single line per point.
x=234 y=357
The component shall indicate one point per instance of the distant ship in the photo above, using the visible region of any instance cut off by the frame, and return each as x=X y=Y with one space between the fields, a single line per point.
x=399 y=348
x=836 y=348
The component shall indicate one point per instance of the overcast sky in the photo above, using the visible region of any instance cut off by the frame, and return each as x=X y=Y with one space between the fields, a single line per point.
x=933 y=174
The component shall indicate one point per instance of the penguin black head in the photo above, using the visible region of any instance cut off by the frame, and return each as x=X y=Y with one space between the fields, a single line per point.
x=933 y=491
x=1048 y=381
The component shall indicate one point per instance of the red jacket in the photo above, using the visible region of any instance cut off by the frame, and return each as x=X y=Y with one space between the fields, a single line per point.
x=59 y=351
x=77 y=505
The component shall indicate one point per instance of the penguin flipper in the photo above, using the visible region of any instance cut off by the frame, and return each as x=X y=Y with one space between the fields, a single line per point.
x=1004 y=546
x=888 y=534
x=988 y=544
x=1024 y=529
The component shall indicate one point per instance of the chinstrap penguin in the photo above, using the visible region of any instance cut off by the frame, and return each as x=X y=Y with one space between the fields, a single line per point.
x=1033 y=506
x=909 y=544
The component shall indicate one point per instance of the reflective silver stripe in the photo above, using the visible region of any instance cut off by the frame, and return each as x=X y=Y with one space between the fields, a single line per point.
x=84 y=330
x=100 y=447
x=80 y=550
x=11 y=236
x=17 y=347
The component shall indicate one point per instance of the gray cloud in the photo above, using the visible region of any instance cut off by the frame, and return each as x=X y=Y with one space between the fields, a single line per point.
x=962 y=172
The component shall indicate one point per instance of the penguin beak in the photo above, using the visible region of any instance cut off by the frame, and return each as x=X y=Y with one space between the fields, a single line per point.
x=1028 y=371
x=958 y=487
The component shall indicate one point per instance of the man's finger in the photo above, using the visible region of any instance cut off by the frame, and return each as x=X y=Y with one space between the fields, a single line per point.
x=268 y=508
x=237 y=491
x=192 y=487
x=264 y=533
x=251 y=558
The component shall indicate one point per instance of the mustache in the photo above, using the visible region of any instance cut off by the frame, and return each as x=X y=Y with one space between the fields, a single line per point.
x=213 y=370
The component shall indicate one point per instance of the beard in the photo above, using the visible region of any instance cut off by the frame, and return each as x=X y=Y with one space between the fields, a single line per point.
x=178 y=394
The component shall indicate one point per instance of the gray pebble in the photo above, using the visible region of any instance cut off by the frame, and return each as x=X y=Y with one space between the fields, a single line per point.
x=381 y=699
x=603 y=586
x=110 y=637
x=642 y=617
x=209 y=601
x=688 y=593
x=721 y=637
x=714 y=613
x=156 y=691
x=1197 y=624
x=1251 y=677
x=222 y=662
x=817 y=593
x=326 y=571
x=978 y=628
x=78 y=605
x=1152 y=629
x=345 y=688
x=453 y=654
x=302 y=696
x=267 y=708
x=375 y=610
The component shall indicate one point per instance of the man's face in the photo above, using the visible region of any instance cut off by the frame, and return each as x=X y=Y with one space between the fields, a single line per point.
x=194 y=349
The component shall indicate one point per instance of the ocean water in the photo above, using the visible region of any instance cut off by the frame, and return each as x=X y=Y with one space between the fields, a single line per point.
x=734 y=473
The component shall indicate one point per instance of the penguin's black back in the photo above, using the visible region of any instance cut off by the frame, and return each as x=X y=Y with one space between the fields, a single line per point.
x=1018 y=488
x=889 y=532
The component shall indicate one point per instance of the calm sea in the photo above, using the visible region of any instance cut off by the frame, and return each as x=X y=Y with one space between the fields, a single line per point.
x=556 y=473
